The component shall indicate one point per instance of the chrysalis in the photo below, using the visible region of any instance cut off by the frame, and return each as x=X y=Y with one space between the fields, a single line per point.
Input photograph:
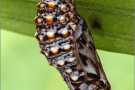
x=66 y=42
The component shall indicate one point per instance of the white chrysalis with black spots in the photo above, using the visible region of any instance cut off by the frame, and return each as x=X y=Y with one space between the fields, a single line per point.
x=65 y=40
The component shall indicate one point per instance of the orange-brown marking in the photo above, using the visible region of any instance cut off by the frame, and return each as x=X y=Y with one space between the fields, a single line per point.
x=63 y=7
x=97 y=83
x=69 y=71
x=71 y=16
x=38 y=4
x=65 y=33
x=35 y=18
x=72 y=59
x=46 y=54
x=39 y=21
x=51 y=35
x=35 y=35
x=62 y=19
x=55 y=50
x=61 y=62
x=74 y=26
x=74 y=78
x=42 y=6
x=67 y=47
x=49 y=19
x=51 y=5
x=41 y=39
x=41 y=51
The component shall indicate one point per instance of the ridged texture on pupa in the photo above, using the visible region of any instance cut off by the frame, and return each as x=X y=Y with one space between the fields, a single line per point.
x=65 y=40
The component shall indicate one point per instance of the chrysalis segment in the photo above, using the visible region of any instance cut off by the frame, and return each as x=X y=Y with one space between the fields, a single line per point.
x=66 y=42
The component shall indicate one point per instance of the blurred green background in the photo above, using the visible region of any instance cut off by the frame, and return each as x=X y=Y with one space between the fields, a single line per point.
x=24 y=68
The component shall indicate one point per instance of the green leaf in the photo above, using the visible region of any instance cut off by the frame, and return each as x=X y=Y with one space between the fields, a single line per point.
x=110 y=22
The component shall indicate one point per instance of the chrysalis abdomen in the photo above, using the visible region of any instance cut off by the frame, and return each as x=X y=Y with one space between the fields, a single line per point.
x=65 y=40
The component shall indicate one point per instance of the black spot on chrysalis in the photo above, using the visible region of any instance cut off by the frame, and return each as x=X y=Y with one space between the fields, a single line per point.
x=95 y=22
